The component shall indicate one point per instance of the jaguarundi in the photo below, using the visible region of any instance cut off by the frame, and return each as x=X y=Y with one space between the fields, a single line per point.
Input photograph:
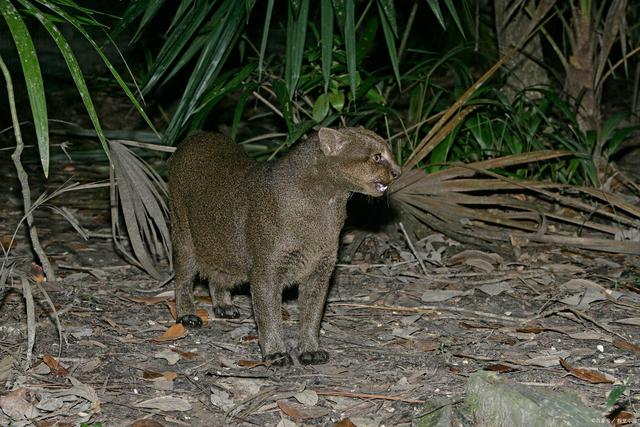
x=269 y=224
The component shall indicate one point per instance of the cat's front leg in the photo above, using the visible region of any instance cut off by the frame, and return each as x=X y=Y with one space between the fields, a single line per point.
x=267 y=310
x=312 y=297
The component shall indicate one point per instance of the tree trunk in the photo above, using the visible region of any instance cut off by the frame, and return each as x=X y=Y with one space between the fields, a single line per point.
x=524 y=70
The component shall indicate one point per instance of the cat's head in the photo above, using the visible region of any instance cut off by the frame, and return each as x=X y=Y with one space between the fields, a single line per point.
x=360 y=159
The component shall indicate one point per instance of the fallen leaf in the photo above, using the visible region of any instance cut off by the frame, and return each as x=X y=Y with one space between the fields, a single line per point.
x=498 y=367
x=302 y=412
x=494 y=289
x=170 y=356
x=5 y=241
x=157 y=376
x=204 y=315
x=248 y=338
x=37 y=273
x=221 y=399
x=480 y=264
x=15 y=405
x=635 y=321
x=473 y=254
x=307 y=397
x=7 y=365
x=440 y=295
x=185 y=354
x=626 y=345
x=590 y=335
x=590 y=375
x=345 y=422
x=622 y=418
x=172 y=309
x=49 y=404
x=405 y=333
x=165 y=403
x=544 y=360
x=175 y=332
x=80 y=389
x=563 y=268
x=82 y=332
x=57 y=368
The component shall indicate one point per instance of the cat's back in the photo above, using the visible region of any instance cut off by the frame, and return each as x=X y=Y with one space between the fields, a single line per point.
x=209 y=154
x=209 y=181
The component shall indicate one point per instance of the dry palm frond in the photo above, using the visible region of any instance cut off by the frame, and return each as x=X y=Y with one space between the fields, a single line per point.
x=490 y=209
x=475 y=205
x=141 y=194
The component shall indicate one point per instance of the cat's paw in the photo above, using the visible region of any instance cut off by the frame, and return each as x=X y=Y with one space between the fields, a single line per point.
x=226 y=311
x=278 y=359
x=190 y=321
x=313 y=357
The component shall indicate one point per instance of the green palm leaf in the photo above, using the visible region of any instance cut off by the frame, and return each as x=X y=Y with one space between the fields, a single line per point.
x=74 y=68
x=33 y=77
x=296 y=35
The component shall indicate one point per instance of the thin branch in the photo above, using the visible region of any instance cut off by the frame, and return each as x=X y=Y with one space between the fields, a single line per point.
x=23 y=178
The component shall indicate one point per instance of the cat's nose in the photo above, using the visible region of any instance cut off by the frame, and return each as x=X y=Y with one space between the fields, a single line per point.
x=395 y=172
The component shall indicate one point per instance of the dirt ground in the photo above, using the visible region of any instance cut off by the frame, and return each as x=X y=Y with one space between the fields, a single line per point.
x=397 y=337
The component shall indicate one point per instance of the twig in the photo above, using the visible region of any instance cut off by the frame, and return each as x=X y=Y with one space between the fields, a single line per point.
x=432 y=308
x=31 y=319
x=23 y=177
x=366 y=396
x=268 y=104
x=580 y=315
x=413 y=249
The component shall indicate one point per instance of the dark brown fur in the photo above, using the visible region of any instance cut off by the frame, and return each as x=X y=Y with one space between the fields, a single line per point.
x=272 y=224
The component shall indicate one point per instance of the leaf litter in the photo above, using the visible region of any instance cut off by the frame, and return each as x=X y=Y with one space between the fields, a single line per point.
x=396 y=336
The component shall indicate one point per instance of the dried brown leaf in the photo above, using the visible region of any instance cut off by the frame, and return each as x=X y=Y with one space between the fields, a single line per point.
x=462 y=257
x=14 y=405
x=184 y=354
x=626 y=345
x=251 y=363
x=623 y=418
x=37 y=273
x=175 y=332
x=499 y=367
x=172 y=309
x=203 y=315
x=590 y=375
x=57 y=368
x=302 y=412
x=157 y=376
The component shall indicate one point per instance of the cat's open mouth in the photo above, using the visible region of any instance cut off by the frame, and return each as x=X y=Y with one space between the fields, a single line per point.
x=380 y=187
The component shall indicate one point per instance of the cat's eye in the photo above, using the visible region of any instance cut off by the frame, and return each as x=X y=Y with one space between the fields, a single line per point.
x=377 y=157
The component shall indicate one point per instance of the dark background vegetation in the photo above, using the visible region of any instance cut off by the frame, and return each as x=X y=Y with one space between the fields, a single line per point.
x=525 y=93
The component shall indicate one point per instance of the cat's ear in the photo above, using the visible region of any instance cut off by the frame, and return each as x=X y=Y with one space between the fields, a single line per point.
x=332 y=142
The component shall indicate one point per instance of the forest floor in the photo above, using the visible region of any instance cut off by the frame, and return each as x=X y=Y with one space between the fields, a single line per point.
x=398 y=338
